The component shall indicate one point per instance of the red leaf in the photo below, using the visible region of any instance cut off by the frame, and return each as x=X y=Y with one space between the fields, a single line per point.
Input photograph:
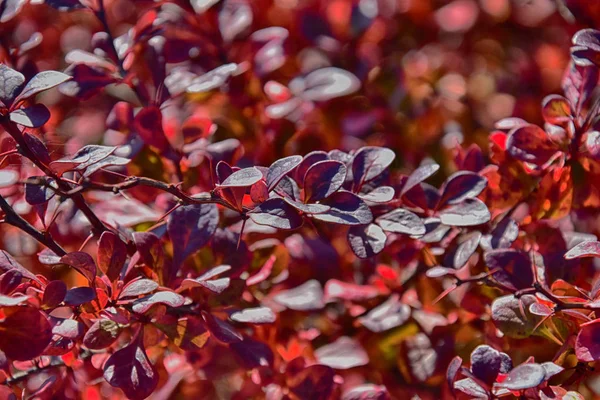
x=83 y=263
x=24 y=332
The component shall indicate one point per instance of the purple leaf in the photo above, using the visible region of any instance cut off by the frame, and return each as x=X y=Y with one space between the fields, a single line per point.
x=170 y=299
x=401 y=221
x=587 y=346
x=366 y=241
x=471 y=388
x=524 y=376
x=82 y=262
x=452 y=371
x=512 y=315
x=308 y=296
x=281 y=168
x=190 y=228
x=344 y=353
x=513 y=266
x=65 y=5
x=86 y=156
x=130 y=370
x=308 y=161
x=438 y=272
x=138 y=287
x=9 y=10
x=465 y=249
x=54 y=294
x=214 y=285
x=313 y=208
x=418 y=176
x=346 y=209
x=460 y=186
x=12 y=82
x=366 y=391
x=150 y=249
x=322 y=179
x=8 y=301
x=380 y=195
x=252 y=353
x=369 y=162
x=37 y=147
x=42 y=81
x=242 y=178
x=79 y=295
x=540 y=309
x=551 y=369
x=212 y=79
x=234 y=18
x=258 y=315
x=32 y=117
x=387 y=315
x=586 y=249
x=578 y=84
x=68 y=328
x=275 y=212
x=221 y=330
x=8 y=263
x=112 y=254
x=103 y=333
x=8 y=177
x=328 y=83
x=40 y=194
x=487 y=363
x=87 y=81
x=468 y=213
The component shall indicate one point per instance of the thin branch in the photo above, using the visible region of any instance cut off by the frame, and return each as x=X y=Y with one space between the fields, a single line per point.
x=97 y=225
x=133 y=181
x=14 y=219
x=58 y=362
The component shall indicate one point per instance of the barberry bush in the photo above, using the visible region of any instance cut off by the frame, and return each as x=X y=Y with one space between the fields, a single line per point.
x=282 y=199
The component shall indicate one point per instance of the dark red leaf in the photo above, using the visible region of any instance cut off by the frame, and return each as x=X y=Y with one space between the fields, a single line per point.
x=346 y=209
x=221 y=330
x=130 y=370
x=369 y=162
x=366 y=241
x=460 y=186
x=468 y=213
x=401 y=221
x=25 y=332
x=148 y=124
x=322 y=179
x=54 y=294
x=32 y=117
x=277 y=213
x=190 y=228
x=8 y=263
x=281 y=168
x=82 y=262
x=103 y=333
x=79 y=295
x=112 y=254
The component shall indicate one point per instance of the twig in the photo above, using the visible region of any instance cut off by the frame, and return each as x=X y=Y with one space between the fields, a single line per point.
x=14 y=219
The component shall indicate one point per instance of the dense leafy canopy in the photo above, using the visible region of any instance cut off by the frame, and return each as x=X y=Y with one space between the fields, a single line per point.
x=289 y=200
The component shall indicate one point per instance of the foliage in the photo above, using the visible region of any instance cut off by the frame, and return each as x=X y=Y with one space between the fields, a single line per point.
x=235 y=199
